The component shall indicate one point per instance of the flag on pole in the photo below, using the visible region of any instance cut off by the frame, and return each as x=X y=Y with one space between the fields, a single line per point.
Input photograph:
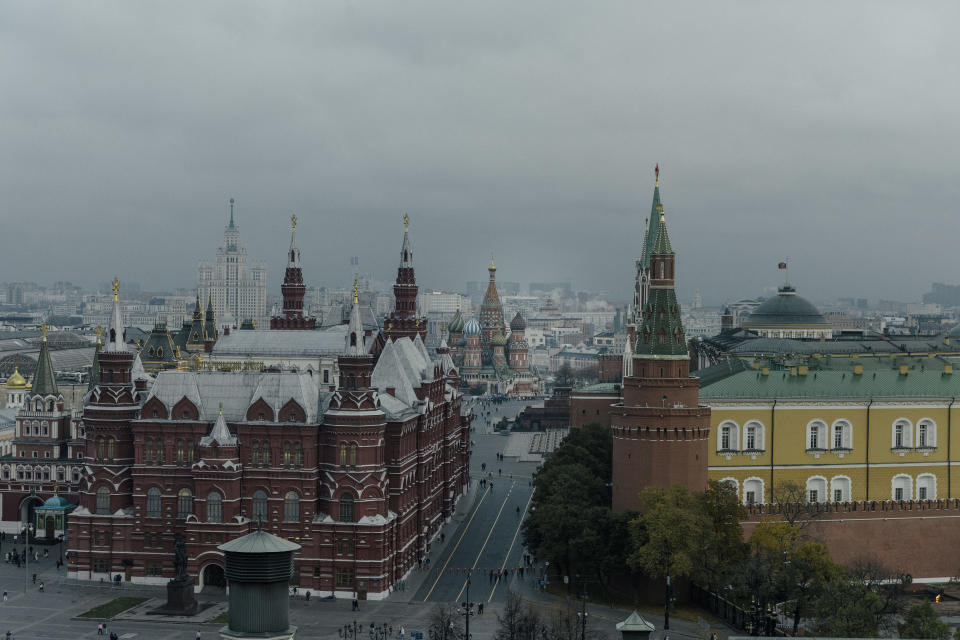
x=782 y=265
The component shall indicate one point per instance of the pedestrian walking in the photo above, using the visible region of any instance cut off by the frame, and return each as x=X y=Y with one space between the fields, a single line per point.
x=41 y=586
x=100 y=629
x=307 y=596
x=4 y=596
x=479 y=608
x=197 y=636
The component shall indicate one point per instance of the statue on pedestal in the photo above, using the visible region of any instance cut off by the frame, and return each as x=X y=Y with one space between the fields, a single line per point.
x=181 y=600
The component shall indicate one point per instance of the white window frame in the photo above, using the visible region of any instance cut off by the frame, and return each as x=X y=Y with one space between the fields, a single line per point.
x=906 y=434
x=926 y=481
x=846 y=436
x=733 y=439
x=843 y=484
x=822 y=430
x=907 y=490
x=820 y=485
x=750 y=484
x=759 y=439
x=931 y=440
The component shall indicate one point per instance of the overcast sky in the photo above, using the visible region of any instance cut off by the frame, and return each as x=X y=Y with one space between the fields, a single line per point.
x=826 y=133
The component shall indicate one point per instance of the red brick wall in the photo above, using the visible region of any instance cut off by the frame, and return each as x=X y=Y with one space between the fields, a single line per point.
x=913 y=537
x=610 y=368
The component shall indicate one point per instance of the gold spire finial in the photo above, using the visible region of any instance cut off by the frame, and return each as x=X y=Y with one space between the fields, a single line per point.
x=116 y=289
x=356 y=298
x=406 y=223
x=293 y=222
x=492 y=266
x=43 y=330
x=99 y=332
x=221 y=408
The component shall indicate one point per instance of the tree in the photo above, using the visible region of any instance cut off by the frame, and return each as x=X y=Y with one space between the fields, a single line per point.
x=666 y=535
x=445 y=623
x=518 y=621
x=797 y=510
x=721 y=550
x=921 y=621
x=809 y=570
x=862 y=603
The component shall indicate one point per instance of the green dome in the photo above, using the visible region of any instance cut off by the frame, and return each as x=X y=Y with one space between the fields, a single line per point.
x=56 y=502
x=785 y=308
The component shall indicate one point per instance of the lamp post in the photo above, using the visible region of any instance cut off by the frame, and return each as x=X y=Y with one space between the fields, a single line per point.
x=582 y=615
x=380 y=632
x=466 y=611
x=350 y=631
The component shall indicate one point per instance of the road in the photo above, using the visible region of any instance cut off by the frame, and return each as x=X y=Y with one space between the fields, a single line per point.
x=489 y=538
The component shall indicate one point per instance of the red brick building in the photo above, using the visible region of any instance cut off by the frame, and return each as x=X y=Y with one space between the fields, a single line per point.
x=361 y=476
x=293 y=290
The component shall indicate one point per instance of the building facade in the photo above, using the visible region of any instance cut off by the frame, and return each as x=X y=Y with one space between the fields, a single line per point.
x=362 y=473
x=238 y=292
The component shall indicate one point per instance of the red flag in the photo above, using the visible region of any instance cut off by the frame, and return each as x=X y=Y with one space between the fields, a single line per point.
x=782 y=265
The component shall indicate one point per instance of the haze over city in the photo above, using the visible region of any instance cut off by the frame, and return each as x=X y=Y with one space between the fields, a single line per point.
x=521 y=130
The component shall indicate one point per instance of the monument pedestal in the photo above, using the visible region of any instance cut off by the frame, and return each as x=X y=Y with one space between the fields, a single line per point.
x=181 y=600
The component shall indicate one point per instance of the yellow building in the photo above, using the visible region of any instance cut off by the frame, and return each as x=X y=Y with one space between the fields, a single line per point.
x=880 y=433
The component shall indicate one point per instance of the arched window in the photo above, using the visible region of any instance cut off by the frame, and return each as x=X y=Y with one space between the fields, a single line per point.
x=265 y=452
x=902 y=432
x=190 y=451
x=816 y=440
x=346 y=508
x=148 y=450
x=926 y=486
x=353 y=338
x=926 y=434
x=343 y=454
x=49 y=405
x=255 y=457
x=260 y=505
x=110 y=448
x=103 y=501
x=902 y=486
x=179 y=452
x=44 y=428
x=297 y=454
x=286 y=455
x=842 y=436
x=100 y=448
x=753 y=491
x=840 y=489
x=184 y=503
x=353 y=454
x=727 y=437
x=214 y=507
x=153 y=502
x=753 y=436
x=817 y=489
x=291 y=507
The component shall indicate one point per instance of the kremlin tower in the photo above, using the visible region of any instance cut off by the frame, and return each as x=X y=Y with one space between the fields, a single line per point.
x=660 y=431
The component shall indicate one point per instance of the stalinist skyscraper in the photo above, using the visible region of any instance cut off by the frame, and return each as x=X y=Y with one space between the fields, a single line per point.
x=237 y=293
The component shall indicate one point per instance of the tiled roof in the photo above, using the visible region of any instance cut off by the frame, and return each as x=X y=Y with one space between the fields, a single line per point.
x=304 y=344
x=890 y=383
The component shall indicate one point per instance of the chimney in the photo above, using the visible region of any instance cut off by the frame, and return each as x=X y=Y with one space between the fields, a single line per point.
x=765 y=371
x=802 y=370
x=858 y=369
x=904 y=369
x=948 y=369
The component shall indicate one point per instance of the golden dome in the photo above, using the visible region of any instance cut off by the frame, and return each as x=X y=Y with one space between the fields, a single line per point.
x=16 y=381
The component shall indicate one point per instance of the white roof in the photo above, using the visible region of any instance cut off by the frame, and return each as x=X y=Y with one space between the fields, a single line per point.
x=238 y=390
x=266 y=342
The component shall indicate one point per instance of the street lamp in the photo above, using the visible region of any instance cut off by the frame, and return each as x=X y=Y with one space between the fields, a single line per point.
x=380 y=632
x=466 y=611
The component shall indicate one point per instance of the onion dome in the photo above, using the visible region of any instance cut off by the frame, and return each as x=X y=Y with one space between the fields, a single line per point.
x=456 y=323
x=472 y=327
x=56 y=502
x=499 y=340
x=786 y=308
x=518 y=323
x=16 y=381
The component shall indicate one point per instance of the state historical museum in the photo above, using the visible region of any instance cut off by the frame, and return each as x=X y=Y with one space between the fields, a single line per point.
x=361 y=475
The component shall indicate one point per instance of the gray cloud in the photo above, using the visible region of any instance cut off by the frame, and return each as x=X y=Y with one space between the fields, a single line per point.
x=821 y=132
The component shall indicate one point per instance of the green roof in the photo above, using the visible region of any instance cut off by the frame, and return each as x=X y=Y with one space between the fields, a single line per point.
x=602 y=387
x=785 y=308
x=890 y=383
x=652 y=227
x=44 y=380
x=661 y=317
x=259 y=542
x=662 y=244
